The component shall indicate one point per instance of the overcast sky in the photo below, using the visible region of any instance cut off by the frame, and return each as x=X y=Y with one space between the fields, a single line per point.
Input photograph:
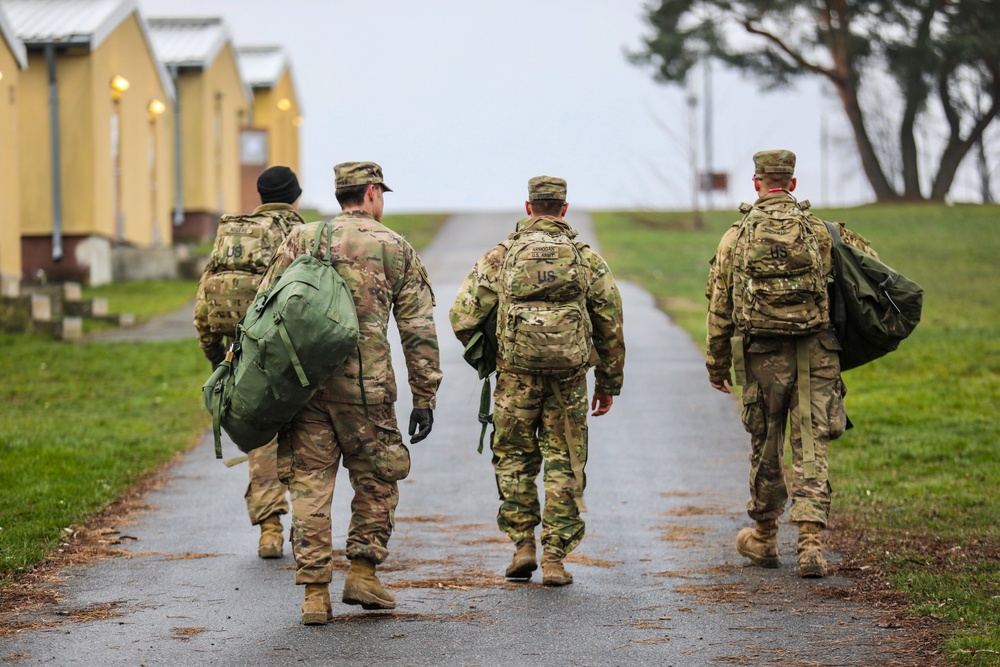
x=461 y=102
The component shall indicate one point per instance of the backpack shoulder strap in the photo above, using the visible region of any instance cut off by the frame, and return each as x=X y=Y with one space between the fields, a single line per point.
x=316 y=244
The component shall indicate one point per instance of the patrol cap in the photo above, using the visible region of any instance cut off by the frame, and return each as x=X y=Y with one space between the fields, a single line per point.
x=278 y=184
x=349 y=174
x=547 y=187
x=774 y=162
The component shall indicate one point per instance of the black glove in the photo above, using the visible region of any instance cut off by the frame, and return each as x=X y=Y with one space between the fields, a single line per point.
x=216 y=357
x=422 y=418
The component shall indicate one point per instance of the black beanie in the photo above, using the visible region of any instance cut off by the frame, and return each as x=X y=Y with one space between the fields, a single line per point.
x=278 y=185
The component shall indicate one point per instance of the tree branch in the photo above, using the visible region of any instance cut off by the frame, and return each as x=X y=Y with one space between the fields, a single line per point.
x=787 y=50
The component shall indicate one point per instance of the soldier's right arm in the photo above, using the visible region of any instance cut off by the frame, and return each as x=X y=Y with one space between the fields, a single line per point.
x=478 y=295
x=719 y=325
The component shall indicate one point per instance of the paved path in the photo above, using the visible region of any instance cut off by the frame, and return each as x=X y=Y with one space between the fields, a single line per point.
x=657 y=579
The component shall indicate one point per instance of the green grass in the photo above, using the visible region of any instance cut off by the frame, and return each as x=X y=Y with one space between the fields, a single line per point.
x=418 y=228
x=916 y=479
x=81 y=423
x=145 y=298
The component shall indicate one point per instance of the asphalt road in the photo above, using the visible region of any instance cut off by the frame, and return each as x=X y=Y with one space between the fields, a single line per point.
x=657 y=578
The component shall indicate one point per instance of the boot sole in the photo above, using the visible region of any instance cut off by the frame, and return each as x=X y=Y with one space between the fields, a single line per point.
x=757 y=560
x=314 y=618
x=521 y=570
x=368 y=602
x=557 y=581
x=269 y=552
x=812 y=572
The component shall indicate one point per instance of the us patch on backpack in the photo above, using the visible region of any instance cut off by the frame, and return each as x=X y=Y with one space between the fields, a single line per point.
x=543 y=324
x=243 y=248
x=779 y=284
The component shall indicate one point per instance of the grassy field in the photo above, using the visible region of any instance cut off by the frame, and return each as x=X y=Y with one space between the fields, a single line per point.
x=85 y=421
x=81 y=423
x=915 y=480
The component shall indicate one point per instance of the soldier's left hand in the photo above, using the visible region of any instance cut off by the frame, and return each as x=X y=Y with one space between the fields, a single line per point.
x=601 y=404
x=421 y=420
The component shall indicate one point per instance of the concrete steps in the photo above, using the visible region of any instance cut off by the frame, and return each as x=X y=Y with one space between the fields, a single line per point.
x=56 y=309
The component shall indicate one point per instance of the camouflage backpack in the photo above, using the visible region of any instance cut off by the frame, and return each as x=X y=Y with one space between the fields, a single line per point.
x=779 y=284
x=543 y=327
x=243 y=248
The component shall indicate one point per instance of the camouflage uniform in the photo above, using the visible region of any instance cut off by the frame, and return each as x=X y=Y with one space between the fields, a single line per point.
x=770 y=392
x=265 y=494
x=540 y=418
x=385 y=275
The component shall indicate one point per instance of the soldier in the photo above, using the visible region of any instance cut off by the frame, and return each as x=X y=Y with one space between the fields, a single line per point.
x=352 y=416
x=243 y=248
x=558 y=313
x=769 y=317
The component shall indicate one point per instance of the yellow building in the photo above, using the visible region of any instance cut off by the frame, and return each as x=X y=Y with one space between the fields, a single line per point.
x=211 y=106
x=96 y=136
x=13 y=58
x=275 y=118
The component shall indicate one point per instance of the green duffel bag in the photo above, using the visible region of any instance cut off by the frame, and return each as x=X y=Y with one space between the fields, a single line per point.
x=291 y=340
x=873 y=307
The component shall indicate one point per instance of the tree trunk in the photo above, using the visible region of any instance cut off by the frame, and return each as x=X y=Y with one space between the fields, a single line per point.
x=884 y=192
x=957 y=147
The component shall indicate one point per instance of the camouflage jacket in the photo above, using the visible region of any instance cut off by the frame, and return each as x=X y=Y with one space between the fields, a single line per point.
x=385 y=275
x=276 y=218
x=478 y=295
x=719 y=290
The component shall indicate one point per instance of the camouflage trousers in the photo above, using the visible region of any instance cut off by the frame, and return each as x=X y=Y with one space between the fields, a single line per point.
x=310 y=450
x=265 y=494
x=770 y=402
x=533 y=426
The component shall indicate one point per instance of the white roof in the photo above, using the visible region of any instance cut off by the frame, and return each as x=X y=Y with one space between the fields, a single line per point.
x=84 y=23
x=261 y=66
x=15 y=45
x=188 y=41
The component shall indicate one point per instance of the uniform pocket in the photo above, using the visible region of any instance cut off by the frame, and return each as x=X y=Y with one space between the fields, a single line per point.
x=754 y=420
x=388 y=455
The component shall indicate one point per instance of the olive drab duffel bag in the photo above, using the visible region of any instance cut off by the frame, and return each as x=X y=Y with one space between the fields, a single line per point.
x=873 y=307
x=292 y=339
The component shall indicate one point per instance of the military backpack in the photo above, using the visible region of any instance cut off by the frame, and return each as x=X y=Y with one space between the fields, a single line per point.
x=293 y=338
x=779 y=283
x=543 y=327
x=244 y=246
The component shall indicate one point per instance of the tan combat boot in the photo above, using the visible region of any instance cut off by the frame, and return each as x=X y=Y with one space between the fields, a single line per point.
x=760 y=544
x=811 y=562
x=553 y=571
x=523 y=563
x=363 y=587
x=271 y=537
x=316 y=610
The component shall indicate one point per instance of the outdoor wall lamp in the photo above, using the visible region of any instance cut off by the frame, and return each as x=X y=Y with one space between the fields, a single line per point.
x=155 y=108
x=119 y=85
x=284 y=104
